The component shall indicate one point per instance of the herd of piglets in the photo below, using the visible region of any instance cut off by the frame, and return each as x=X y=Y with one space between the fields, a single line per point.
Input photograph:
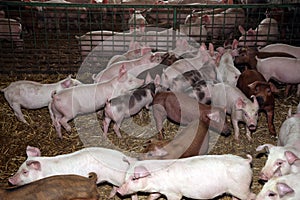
x=198 y=99
x=194 y=87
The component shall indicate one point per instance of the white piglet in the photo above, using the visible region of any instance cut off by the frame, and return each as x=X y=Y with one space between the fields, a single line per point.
x=106 y=163
x=33 y=95
x=281 y=188
x=88 y=98
x=218 y=174
x=237 y=105
x=284 y=158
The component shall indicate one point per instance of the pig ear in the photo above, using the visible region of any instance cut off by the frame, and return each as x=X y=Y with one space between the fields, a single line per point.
x=157 y=80
x=264 y=146
x=235 y=52
x=67 y=83
x=141 y=172
x=33 y=164
x=134 y=45
x=242 y=30
x=240 y=103
x=205 y=19
x=221 y=50
x=214 y=116
x=184 y=43
x=33 y=151
x=131 y=11
x=235 y=44
x=283 y=189
x=160 y=152
x=144 y=51
x=202 y=47
x=291 y=157
x=251 y=32
x=253 y=85
x=122 y=72
x=148 y=78
x=211 y=49
x=178 y=42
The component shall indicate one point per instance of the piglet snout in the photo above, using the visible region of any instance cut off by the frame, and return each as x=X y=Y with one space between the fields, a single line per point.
x=252 y=127
x=13 y=180
x=226 y=132
x=263 y=177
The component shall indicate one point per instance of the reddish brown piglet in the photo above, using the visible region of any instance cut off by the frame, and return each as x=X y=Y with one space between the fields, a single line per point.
x=193 y=140
x=182 y=109
x=59 y=187
x=251 y=82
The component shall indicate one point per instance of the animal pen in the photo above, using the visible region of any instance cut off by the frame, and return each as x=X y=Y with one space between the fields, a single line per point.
x=79 y=39
x=48 y=43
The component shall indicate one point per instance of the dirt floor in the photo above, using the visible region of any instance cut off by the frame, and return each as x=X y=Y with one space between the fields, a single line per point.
x=15 y=135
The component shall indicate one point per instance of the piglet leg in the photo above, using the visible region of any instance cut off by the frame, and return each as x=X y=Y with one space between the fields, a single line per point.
x=153 y=196
x=236 y=129
x=18 y=112
x=113 y=192
x=64 y=123
x=270 y=116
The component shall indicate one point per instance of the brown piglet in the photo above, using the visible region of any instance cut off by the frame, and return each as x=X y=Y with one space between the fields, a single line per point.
x=193 y=140
x=59 y=187
x=180 y=108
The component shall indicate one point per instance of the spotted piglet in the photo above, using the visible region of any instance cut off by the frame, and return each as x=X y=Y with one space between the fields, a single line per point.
x=129 y=104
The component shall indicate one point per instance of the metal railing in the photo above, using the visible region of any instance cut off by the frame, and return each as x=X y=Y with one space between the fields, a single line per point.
x=46 y=42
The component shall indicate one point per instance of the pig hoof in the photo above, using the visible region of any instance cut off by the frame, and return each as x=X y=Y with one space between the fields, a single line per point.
x=161 y=135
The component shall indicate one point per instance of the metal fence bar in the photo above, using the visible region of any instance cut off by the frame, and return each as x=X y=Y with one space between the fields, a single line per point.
x=50 y=46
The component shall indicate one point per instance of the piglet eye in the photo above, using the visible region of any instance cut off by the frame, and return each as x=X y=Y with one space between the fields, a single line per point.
x=272 y=194
x=25 y=172
x=279 y=163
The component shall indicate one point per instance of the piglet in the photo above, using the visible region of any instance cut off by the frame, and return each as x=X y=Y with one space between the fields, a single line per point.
x=266 y=31
x=183 y=109
x=137 y=21
x=177 y=178
x=135 y=66
x=135 y=50
x=129 y=104
x=167 y=60
x=223 y=23
x=280 y=188
x=106 y=163
x=237 y=105
x=251 y=82
x=191 y=141
x=285 y=48
x=59 y=187
x=33 y=95
x=246 y=56
x=228 y=72
x=11 y=30
x=281 y=158
x=284 y=70
x=88 y=98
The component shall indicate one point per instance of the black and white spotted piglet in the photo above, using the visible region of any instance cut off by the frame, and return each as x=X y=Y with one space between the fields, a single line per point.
x=124 y=106
x=192 y=83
